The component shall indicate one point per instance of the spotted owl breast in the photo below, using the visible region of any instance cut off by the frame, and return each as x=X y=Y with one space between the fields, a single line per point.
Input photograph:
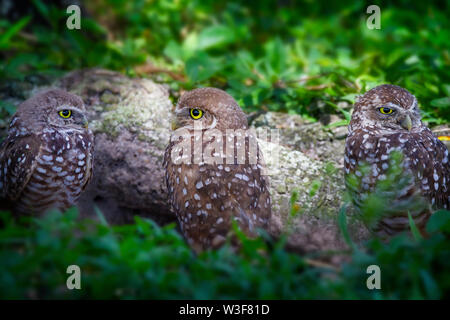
x=418 y=187
x=63 y=169
x=221 y=188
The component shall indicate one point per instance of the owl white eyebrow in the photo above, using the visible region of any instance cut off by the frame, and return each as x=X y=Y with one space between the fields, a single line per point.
x=213 y=125
x=181 y=110
x=389 y=104
x=414 y=104
x=70 y=108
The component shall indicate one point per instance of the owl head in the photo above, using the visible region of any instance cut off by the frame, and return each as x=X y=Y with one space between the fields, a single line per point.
x=56 y=109
x=388 y=108
x=209 y=107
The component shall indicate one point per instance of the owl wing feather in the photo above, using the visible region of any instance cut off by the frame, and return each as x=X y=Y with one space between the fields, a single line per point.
x=247 y=199
x=430 y=157
x=90 y=163
x=234 y=200
x=425 y=158
x=17 y=163
x=208 y=197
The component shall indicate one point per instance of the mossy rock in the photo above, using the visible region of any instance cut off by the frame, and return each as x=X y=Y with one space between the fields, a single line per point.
x=131 y=118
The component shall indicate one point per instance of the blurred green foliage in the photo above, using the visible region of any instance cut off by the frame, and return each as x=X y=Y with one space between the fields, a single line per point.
x=280 y=55
x=143 y=260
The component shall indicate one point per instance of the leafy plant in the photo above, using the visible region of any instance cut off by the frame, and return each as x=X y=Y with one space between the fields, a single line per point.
x=300 y=57
x=142 y=260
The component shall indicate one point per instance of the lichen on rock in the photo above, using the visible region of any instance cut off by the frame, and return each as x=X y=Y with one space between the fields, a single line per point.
x=307 y=184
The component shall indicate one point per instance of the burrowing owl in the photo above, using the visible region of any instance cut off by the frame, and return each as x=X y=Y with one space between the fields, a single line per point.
x=385 y=119
x=46 y=159
x=209 y=187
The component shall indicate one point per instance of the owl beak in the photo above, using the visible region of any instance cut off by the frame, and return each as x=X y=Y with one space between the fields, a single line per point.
x=85 y=123
x=406 y=123
x=174 y=125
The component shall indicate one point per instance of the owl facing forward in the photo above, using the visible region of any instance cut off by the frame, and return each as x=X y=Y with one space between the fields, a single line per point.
x=218 y=178
x=387 y=119
x=46 y=159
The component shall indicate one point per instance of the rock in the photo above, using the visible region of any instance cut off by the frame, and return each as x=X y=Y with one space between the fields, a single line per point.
x=311 y=138
x=307 y=183
x=131 y=121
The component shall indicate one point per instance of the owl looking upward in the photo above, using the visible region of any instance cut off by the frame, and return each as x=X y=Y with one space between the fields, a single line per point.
x=208 y=195
x=46 y=159
x=387 y=119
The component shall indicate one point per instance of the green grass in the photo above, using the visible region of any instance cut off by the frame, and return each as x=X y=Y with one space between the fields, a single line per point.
x=143 y=260
x=302 y=57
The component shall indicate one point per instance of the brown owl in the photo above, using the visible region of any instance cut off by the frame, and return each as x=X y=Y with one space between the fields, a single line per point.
x=214 y=170
x=46 y=159
x=387 y=119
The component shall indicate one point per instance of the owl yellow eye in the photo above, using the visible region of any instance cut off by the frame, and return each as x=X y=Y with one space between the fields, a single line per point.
x=196 y=114
x=385 y=110
x=65 y=113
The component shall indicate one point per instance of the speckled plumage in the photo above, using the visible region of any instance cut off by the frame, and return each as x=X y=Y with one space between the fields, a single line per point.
x=426 y=168
x=206 y=197
x=46 y=161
